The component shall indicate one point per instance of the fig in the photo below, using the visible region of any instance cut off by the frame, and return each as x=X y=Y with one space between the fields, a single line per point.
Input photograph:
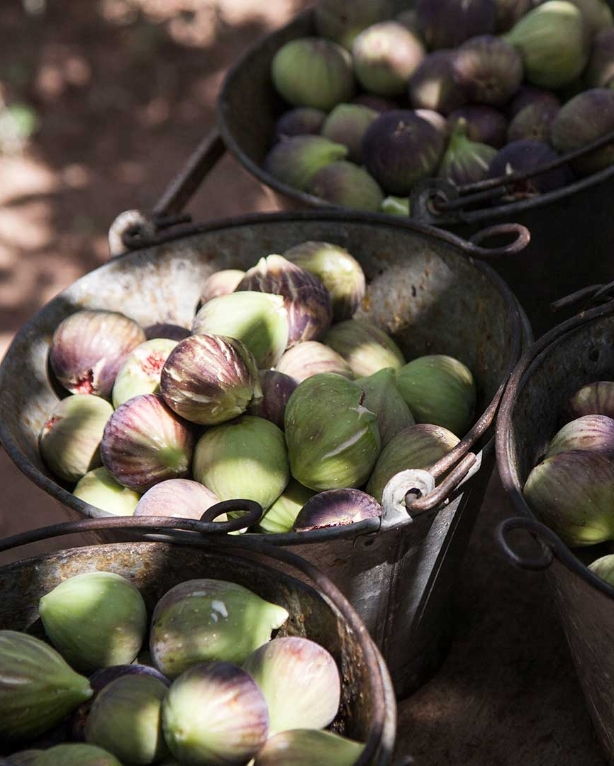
x=164 y=330
x=300 y=682
x=346 y=125
x=208 y=379
x=245 y=458
x=221 y=282
x=522 y=157
x=365 y=347
x=571 y=493
x=344 y=184
x=485 y=125
x=23 y=757
x=307 y=301
x=416 y=447
x=604 y=567
x=313 y=72
x=533 y=123
x=333 y=441
x=201 y=620
x=438 y=121
x=179 y=498
x=395 y=206
x=296 y=160
x=593 y=399
x=257 y=319
x=384 y=399
x=140 y=372
x=553 y=42
x=589 y=432
x=277 y=388
x=530 y=94
x=489 y=70
x=311 y=358
x=448 y=23
x=37 y=687
x=280 y=517
x=508 y=12
x=434 y=84
x=214 y=713
x=125 y=719
x=343 y=20
x=69 y=442
x=144 y=442
x=88 y=348
x=95 y=620
x=465 y=161
x=99 y=488
x=305 y=747
x=385 y=55
x=377 y=103
x=597 y=15
x=400 y=148
x=336 y=508
x=302 y=121
x=440 y=390
x=76 y=755
x=338 y=271
x=584 y=119
x=600 y=69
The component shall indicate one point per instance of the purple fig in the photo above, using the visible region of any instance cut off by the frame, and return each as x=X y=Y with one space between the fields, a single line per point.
x=343 y=20
x=377 y=103
x=593 y=399
x=488 y=69
x=301 y=121
x=434 y=84
x=277 y=388
x=448 y=23
x=438 y=121
x=346 y=125
x=140 y=372
x=311 y=358
x=165 y=330
x=344 y=184
x=304 y=747
x=485 y=125
x=465 y=161
x=589 y=432
x=221 y=282
x=335 y=508
x=296 y=160
x=533 y=123
x=525 y=156
x=144 y=442
x=530 y=94
x=178 y=498
x=600 y=69
x=100 y=489
x=88 y=348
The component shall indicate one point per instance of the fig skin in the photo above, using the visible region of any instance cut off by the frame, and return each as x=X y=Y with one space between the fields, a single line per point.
x=22 y=758
x=485 y=125
x=88 y=348
x=604 y=567
x=311 y=358
x=344 y=184
x=434 y=84
x=531 y=94
x=277 y=388
x=280 y=517
x=296 y=160
x=346 y=125
x=304 y=747
x=140 y=372
x=221 y=282
x=522 y=156
x=589 y=432
x=336 y=508
x=76 y=755
x=593 y=399
x=343 y=20
x=364 y=346
x=448 y=23
x=99 y=488
x=488 y=69
x=533 y=123
x=301 y=121
x=382 y=396
x=599 y=72
x=465 y=161
x=176 y=498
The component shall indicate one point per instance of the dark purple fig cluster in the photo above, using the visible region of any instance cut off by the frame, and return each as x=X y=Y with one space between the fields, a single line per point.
x=530 y=78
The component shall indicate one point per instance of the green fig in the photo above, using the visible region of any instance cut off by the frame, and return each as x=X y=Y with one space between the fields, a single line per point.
x=76 y=755
x=593 y=399
x=589 y=432
x=346 y=125
x=364 y=346
x=23 y=757
x=306 y=747
x=296 y=160
x=344 y=184
x=140 y=372
x=280 y=517
x=604 y=567
x=384 y=399
x=99 y=488
x=311 y=358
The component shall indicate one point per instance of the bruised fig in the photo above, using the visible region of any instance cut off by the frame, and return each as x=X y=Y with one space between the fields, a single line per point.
x=99 y=488
x=344 y=184
x=593 y=399
x=280 y=517
x=343 y=20
x=221 y=282
x=178 y=498
x=76 y=755
x=533 y=123
x=589 y=432
x=88 y=348
x=365 y=347
x=448 y=23
x=465 y=161
x=140 y=372
x=296 y=160
x=201 y=620
x=346 y=125
x=434 y=84
x=144 y=442
x=214 y=713
x=488 y=69
x=277 y=388
x=384 y=399
x=305 y=747
x=300 y=683
x=311 y=358
x=336 y=508
x=485 y=125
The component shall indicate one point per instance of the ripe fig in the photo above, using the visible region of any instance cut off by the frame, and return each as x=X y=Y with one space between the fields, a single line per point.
x=343 y=20
x=336 y=508
x=533 y=123
x=589 y=432
x=530 y=94
x=304 y=747
x=346 y=125
x=593 y=399
x=76 y=755
x=384 y=399
x=296 y=160
x=221 y=282
x=434 y=84
x=344 y=184
x=489 y=70
x=99 y=488
x=302 y=121
x=465 y=161
x=448 y=23
x=277 y=388
x=604 y=567
x=140 y=372
x=179 y=498
x=280 y=517
x=365 y=347
x=311 y=358
x=485 y=125
x=522 y=157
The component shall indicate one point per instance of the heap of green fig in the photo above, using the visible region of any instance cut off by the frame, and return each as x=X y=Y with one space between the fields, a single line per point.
x=356 y=133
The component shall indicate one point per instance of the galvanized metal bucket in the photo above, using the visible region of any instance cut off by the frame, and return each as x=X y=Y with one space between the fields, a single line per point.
x=571 y=228
x=427 y=290
x=318 y=611
x=577 y=352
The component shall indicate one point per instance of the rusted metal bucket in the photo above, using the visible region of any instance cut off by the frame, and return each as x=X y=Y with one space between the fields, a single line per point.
x=577 y=352
x=317 y=609
x=571 y=228
x=427 y=290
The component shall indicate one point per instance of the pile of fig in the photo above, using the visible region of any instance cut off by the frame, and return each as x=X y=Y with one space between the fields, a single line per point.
x=276 y=394
x=463 y=91
x=207 y=680
x=571 y=489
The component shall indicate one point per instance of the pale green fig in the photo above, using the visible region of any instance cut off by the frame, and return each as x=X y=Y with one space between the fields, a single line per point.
x=306 y=747
x=589 y=432
x=259 y=320
x=208 y=378
x=313 y=72
x=69 y=441
x=179 y=498
x=23 y=757
x=295 y=161
x=99 y=488
x=593 y=399
x=364 y=346
x=333 y=440
x=203 y=620
x=416 y=447
x=125 y=719
x=37 y=687
x=277 y=388
x=76 y=755
x=336 y=508
x=384 y=399
x=344 y=184
x=311 y=358
x=95 y=620
x=554 y=43
x=215 y=714
x=395 y=205
x=140 y=372
x=571 y=493
x=300 y=683
x=338 y=271
x=440 y=390
x=604 y=567
x=245 y=458
x=465 y=161
x=280 y=517
x=346 y=125
x=220 y=283
x=343 y=20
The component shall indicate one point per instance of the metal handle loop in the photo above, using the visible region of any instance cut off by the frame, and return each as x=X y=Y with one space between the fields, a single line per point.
x=522 y=237
x=545 y=535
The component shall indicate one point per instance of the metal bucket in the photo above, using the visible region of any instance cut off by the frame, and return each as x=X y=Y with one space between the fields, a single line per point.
x=423 y=289
x=317 y=610
x=571 y=227
x=577 y=352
